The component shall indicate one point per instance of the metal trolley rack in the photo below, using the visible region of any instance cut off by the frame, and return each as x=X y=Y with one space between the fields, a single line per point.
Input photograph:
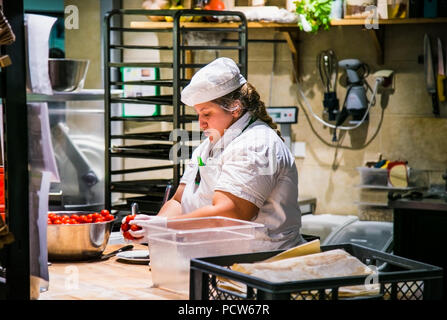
x=150 y=193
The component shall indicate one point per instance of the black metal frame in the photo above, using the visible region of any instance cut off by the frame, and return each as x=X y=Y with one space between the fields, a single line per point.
x=15 y=256
x=178 y=66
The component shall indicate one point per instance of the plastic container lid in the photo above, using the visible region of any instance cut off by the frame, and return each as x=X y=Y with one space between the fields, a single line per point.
x=372 y=234
x=205 y=224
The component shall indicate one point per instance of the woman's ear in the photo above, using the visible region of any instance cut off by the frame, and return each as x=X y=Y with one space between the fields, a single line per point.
x=237 y=106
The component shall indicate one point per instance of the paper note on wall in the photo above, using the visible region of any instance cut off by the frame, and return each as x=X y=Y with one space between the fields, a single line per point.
x=139 y=89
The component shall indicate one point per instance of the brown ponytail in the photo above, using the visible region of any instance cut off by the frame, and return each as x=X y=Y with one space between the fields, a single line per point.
x=251 y=102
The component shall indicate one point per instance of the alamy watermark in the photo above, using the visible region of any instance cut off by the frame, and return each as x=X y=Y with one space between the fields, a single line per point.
x=259 y=154
x=372 y=20
x=71 y=17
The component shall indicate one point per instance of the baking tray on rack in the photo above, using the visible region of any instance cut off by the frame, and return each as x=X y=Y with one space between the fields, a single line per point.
x=155 y=187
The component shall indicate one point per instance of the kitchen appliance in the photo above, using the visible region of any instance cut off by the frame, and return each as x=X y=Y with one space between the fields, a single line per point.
x=355 y=101
x=441 y=72
x=383 y=81
x=430 y=80
x=67 y=74
x=77 y=241
x=328 y=69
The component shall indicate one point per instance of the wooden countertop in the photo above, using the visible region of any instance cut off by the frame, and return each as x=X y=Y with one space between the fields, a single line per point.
x=104 y=280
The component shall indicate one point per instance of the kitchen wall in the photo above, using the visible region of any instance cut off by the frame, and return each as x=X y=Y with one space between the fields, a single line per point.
x=85 y=42
x=401 y=125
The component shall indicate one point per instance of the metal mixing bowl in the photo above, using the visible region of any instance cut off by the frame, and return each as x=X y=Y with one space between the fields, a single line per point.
x=67 y=74
x=77 y=241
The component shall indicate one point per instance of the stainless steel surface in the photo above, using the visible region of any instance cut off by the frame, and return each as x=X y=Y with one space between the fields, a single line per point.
x=67 y=74
x=77 y=241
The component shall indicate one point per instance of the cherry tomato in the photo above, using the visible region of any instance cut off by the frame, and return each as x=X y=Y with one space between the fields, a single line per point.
x=109 y=217
x=127 y=235
x=130 y=217
x=100 y=219
x=125 y=227
x=105 y=212
x=134 y=227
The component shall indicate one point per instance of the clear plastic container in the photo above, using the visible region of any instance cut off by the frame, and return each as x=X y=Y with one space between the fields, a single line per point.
x=373 y=176
x=376 y=235
x=172 y=247
x=171 y=252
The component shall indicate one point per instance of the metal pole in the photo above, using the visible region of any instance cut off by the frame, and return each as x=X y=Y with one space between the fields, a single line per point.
x=16 y=157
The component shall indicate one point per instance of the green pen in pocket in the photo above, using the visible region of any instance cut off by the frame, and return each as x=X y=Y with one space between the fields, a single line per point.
x=201 y=164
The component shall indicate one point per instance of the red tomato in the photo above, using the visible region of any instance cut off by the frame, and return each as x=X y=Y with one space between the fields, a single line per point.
x=105 y=212
x=125 y=227
x=57 y=221
x=130 y=217
x=73 y=221
x=109 y=217
x=100 y=219
x=127 y=235
x=134 y=227
x=75 y=216
x=49 y=221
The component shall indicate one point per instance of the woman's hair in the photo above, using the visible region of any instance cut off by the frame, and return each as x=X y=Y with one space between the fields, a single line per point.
x=251 y=102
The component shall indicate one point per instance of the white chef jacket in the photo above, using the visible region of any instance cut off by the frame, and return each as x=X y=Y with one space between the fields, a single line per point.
x=251 y=162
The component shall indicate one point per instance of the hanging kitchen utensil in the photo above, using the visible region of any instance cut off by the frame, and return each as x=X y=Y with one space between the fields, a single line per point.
x=327 y=66
x=6 y=37
x=441 y=73
x=430 y=81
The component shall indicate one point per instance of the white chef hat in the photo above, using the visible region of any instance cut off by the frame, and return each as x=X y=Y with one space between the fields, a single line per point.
x=213 y=81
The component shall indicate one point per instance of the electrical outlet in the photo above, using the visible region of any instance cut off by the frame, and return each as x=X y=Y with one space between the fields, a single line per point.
x=299 y=149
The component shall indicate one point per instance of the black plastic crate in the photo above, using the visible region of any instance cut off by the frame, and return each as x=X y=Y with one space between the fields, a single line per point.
x=399 y=279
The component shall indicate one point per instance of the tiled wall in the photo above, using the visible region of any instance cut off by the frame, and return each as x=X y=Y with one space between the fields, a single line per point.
x=400 y=126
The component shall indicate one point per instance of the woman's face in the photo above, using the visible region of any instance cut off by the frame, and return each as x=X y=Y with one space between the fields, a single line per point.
x=213 y=119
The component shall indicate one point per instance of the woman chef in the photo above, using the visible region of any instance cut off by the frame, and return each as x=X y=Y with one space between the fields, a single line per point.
x=243 y=169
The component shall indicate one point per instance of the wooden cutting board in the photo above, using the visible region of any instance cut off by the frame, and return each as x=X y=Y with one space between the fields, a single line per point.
x=104 y=280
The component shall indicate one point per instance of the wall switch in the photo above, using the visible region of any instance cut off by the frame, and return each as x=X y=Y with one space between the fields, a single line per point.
x=299 y=149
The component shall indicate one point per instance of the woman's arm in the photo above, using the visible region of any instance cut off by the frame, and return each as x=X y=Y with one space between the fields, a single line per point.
x=172 y=207
x=227 y=205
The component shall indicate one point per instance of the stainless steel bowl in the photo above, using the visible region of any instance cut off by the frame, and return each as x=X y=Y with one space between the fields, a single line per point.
x=67 y=74
x=77 y=241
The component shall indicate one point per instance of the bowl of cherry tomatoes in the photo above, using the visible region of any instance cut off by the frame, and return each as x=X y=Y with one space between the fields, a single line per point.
x=77 y=235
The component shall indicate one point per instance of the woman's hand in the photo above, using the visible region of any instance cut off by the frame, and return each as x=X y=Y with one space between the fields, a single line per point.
x=145 y=222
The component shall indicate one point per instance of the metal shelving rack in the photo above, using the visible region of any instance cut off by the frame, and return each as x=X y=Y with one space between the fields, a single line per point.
x=151 y=192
